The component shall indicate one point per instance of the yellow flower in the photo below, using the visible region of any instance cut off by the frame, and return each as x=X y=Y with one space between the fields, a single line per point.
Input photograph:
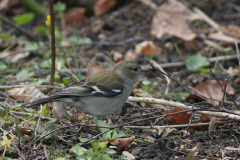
x=48 y=21
x=7 y=142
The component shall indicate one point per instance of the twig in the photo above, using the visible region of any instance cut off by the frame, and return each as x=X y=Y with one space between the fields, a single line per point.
x=110 y=128
x=195 y=94
x=148 y=114
x=21 y=86
x=149 y=3
x=173 y=126
x=45 y=151
x=216 y=113
x=179 y=64
x=19 y=152
x=53 y=54
x=236 y=45
x=29 y=36
x=29 y=114
x=224 y=92
x=214 y=76
x=12 y=113
x=154 y=68
x=203 y=157
x=168 y=80
x=206 y=18
x=190 y=121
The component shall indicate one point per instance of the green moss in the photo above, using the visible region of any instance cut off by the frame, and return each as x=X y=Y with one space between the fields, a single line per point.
x=173 y=137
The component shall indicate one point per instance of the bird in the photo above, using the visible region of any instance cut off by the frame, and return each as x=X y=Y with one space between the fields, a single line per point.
x=101 y=94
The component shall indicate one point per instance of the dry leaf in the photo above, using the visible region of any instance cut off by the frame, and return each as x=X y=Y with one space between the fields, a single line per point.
x=165 y=131
x=93 y=69
x=7 y=4
x=191 y=156
x=222 y=37
x=171 y=18
x=129 y=155
x=26 y=131
x=27 y=93
x=14 y=55
x=205 y=118
x=103 y=6
x=123 y=143
x=212 y=126
x=4 y=5
x=184 y=133
x=181 y=118
x=11 y=78
x=147 y=48
x=148 y=138
x=232 y=72
x=231 y=30
x=184 y=148
x=194 y=45
x=117 y=56
x=211 y=89
x=76 y=17
x=130 y=55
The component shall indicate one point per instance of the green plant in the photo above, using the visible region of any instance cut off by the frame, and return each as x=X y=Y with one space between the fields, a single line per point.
x=148 y=86
x=111 y=134
x=196 y=63
x=23 y=18
x=99 y=151
x=175 y=95
x=173 y=137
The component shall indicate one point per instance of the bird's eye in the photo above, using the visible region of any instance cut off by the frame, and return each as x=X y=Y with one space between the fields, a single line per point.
x=135 y=69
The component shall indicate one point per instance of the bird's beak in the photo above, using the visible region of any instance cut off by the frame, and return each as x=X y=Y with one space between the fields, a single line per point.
x=143 y=70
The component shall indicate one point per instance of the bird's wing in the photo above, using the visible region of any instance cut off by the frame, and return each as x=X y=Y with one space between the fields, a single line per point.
x=100 y=85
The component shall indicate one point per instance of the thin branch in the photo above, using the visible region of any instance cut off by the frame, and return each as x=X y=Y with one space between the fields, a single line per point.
x=214 y=76
x=27 y=34
x=216 y=113
x=45 y=151
x=21 y=86
x=236 y=45
x=224 y=92
x=29 y=114
x=173 y=126
x=53 y=54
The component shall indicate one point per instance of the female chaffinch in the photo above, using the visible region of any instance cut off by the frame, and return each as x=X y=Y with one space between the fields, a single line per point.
x=101 y=94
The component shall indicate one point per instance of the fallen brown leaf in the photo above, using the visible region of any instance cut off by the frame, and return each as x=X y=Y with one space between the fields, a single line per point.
x=26 y=131
x=171 y=18
x=222 y=37
x=130 y=55
x=123 y=143
x=211 y=89
x=129 y=155
x=231 y=30
x=27 y=93
x=147 y=48
x=181 y=118
x=93 y=69
x=117 y=56
x=103 y=6
x=164 y=132
x=76 y=17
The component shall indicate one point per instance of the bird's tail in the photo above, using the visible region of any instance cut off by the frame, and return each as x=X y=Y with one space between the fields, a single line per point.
x=44 y=100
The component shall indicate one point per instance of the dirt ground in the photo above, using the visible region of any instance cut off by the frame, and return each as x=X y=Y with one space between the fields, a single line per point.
x=133 y=20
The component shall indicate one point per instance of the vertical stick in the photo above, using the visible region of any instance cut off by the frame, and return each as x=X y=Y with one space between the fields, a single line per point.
x=52 y=42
